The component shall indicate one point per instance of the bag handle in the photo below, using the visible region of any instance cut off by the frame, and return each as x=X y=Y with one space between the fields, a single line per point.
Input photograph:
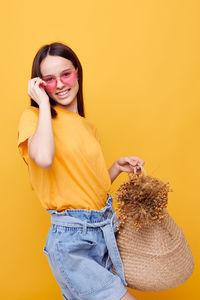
x=143 y=170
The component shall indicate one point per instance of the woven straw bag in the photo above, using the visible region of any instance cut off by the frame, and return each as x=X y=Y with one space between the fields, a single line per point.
x=156 y=257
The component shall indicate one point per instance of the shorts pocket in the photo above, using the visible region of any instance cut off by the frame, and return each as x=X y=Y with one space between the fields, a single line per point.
x=79 y=269
x=46 y=246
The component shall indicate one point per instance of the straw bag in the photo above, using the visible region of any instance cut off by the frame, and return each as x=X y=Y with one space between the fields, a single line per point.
x=155 y=253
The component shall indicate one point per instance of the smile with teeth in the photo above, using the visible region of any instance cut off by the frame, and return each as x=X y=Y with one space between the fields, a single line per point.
x=63 y=92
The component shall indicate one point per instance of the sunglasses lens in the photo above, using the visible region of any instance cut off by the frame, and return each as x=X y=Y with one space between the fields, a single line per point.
x=51 y=84
x=68 y=77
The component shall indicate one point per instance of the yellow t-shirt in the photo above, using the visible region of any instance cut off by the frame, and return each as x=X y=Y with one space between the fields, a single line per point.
x=78 y=177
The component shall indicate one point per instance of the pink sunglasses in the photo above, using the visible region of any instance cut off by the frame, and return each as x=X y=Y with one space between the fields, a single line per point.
x=67 y=77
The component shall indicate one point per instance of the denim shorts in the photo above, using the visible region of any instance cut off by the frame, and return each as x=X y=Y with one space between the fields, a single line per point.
x=81 y=249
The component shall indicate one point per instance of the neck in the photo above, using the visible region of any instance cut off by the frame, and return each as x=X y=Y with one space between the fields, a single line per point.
x=71 y=107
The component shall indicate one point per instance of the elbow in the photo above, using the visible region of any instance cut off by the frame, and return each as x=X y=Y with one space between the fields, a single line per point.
x=43 y=163
x=46 y=165
x=43 y=160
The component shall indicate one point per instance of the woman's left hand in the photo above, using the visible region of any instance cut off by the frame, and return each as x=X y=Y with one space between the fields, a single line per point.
x=129 y=164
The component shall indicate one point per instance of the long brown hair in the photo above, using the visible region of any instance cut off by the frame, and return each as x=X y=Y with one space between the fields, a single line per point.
x=62 y=50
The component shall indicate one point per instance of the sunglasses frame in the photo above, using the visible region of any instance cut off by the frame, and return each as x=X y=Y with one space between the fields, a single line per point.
x=51 y=89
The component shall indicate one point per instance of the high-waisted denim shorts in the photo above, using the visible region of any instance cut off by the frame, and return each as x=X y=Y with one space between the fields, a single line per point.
x=81 y=248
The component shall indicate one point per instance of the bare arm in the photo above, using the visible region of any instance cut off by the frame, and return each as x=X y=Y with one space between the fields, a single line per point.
x=113 y=171
x=41 y=146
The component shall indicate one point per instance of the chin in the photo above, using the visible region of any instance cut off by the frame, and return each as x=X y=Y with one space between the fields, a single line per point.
x=65 y=101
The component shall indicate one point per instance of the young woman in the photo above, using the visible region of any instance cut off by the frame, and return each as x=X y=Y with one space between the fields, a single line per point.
x=69 y=175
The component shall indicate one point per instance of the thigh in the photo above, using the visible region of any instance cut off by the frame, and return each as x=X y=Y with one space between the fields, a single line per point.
x=128 y=296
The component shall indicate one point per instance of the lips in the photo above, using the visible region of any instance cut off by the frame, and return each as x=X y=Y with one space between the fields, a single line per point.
x=62 y=93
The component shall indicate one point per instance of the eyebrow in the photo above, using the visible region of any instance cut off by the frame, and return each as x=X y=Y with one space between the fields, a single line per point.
x=60 y=72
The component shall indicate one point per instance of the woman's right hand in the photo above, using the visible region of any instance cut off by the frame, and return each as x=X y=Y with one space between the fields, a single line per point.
x=37 y=92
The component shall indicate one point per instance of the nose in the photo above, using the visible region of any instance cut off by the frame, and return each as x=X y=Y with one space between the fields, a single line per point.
x=59 y=83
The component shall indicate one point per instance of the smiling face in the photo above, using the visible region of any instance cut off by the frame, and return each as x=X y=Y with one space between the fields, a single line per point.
x=61 y=76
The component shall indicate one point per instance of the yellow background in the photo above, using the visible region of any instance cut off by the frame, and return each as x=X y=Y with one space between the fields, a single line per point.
x=141 y=62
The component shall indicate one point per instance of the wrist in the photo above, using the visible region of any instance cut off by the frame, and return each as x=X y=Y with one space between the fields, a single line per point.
x=117 y=167
x=45 y=104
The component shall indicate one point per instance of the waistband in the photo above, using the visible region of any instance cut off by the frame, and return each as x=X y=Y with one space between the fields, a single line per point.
x=104 y=219
x=91 y=216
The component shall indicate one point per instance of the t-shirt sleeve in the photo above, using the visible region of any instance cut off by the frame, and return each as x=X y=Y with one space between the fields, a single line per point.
x=26 y=128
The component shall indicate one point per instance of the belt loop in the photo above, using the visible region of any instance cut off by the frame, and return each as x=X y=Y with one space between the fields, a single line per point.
x=84 y=228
